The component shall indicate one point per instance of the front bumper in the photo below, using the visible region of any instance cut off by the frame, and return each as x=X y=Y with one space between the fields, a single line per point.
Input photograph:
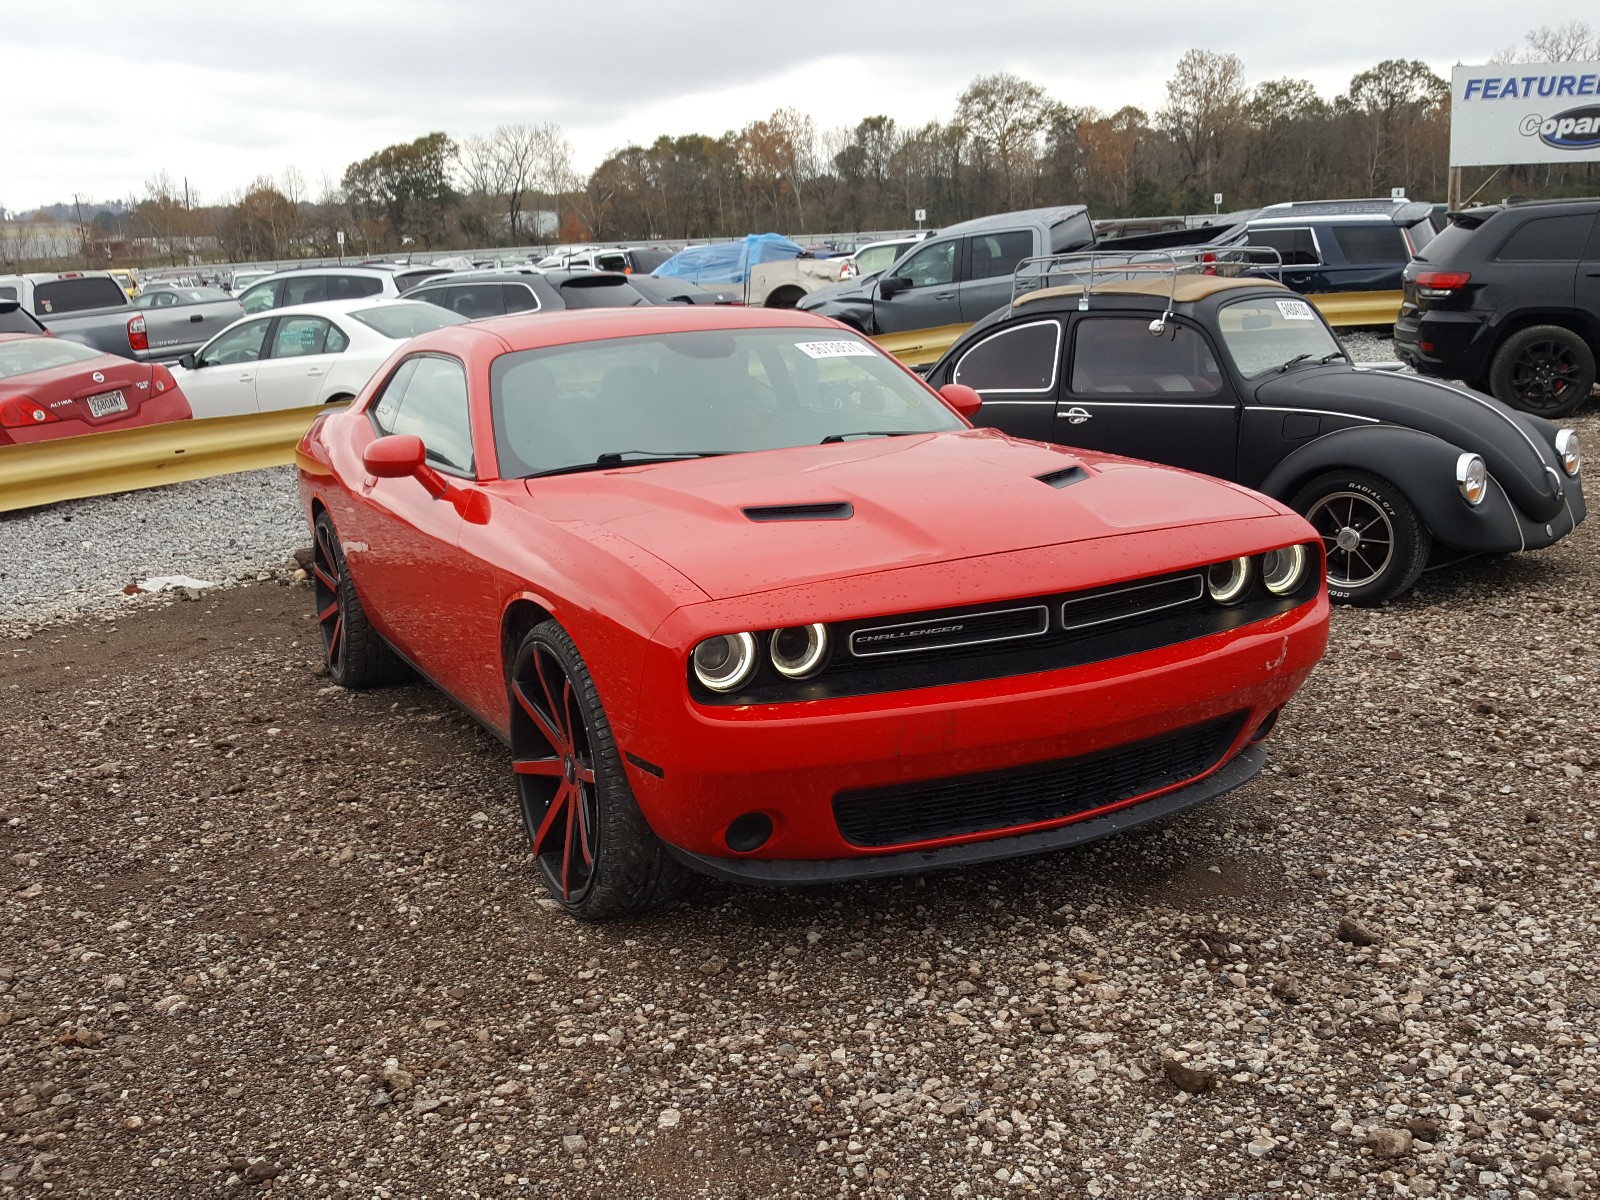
x=695 y=770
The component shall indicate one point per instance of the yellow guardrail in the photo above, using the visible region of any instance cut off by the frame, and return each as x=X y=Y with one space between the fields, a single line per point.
x=124 y=460
x=921 y=345
x=1358 y=308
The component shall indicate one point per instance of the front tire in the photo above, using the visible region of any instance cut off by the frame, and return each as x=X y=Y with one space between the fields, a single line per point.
x=355 y=653
x=1546 y=370
x=596 y=853
x=1376 y=546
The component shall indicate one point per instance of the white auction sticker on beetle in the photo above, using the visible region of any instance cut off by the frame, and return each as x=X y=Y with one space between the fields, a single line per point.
x=1295 y=310
x=840 y=349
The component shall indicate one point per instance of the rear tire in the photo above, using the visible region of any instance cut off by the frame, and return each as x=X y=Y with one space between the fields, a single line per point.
x=597 y=856
x=1546 y=370
x=355 y=653
x=1376 y=546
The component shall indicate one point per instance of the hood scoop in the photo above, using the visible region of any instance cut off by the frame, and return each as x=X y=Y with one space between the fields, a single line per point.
x=836 y=510
x=1065 y=477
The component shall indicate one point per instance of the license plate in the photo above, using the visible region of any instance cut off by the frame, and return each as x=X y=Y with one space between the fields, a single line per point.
x=107 y=403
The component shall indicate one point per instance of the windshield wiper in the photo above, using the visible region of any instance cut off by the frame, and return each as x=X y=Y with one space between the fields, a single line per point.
x=1292 y=361
x=617 y=458
x=1328 y=358
x=833 y=438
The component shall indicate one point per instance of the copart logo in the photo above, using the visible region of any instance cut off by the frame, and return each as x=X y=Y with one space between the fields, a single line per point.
x=1575 y=129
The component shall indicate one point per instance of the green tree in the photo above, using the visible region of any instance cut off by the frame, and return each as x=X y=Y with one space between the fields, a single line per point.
x=407 y=186
x=1004 y=115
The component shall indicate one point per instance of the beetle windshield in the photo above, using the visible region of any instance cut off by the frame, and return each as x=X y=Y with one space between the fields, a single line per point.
x=699 y=392
x=1265 y=332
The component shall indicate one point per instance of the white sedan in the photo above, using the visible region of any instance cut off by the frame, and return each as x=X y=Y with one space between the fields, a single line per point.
x=302 y=355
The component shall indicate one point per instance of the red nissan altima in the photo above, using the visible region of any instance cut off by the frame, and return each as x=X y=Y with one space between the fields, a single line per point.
x=51 y=388
x=744 y=596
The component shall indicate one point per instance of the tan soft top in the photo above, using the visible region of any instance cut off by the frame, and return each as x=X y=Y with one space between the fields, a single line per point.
x=1189 y=288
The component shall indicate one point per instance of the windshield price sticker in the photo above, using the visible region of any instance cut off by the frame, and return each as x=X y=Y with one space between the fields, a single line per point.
x=1295 y=310
x=844 y=349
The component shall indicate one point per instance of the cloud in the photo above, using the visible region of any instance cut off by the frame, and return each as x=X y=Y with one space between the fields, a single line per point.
x=223 y=93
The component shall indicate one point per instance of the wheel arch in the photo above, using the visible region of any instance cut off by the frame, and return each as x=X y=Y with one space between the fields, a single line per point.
x=1420 y=466
x=786 y=296
x=520 y=616
x=1573 y=320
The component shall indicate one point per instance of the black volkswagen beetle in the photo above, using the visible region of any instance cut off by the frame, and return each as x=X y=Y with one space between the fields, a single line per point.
x=1242 y=379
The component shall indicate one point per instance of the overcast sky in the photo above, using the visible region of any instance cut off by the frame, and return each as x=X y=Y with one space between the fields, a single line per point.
x=103 y=94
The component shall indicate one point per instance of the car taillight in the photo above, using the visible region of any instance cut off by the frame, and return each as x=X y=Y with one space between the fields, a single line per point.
x=1438 y=284
x=18 y=412
x=138 y=339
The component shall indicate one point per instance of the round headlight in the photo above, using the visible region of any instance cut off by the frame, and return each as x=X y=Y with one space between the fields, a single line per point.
x=1567 y=448
x=1283 y=570
x=1226 y=581
x=798 y=652
x=1472 y=477
x=726 y=661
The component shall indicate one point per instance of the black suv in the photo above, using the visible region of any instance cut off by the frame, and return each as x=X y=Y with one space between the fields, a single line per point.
x=1507 y=298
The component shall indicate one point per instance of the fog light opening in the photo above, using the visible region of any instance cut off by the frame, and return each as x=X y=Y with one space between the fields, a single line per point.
x=749 y=832
x=1264 y=730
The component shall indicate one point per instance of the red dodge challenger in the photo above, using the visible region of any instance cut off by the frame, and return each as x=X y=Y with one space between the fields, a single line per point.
x=51 y=388
x=744 y=596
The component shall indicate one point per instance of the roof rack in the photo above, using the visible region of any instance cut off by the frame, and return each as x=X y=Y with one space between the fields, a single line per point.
x=1088 y=269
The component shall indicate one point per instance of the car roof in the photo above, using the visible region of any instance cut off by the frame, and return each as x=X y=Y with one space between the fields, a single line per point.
x=1186 y=290
x=335 y=307
x=529 y=331
x=1397 y=212
x=1010 y=220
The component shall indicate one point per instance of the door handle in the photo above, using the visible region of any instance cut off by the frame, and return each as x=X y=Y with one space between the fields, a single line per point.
x=1593 y=274
x=246 y=378
x=1075 y=415
x=944 y=295
x=195 y=318
x=313 y=370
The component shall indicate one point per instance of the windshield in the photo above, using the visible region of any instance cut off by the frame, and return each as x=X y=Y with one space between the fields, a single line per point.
x=41 y=354
x=705 y=391
x=407 y=320
x=1266 y=332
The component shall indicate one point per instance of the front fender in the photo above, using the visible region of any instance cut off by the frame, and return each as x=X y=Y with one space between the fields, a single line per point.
x=1422 y=468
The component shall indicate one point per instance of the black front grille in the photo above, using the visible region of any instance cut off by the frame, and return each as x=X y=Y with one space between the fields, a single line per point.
x=1046 y=792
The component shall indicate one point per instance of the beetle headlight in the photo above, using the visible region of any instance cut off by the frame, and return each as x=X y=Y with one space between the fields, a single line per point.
x=798 y=652
x=726 y=661
x=1472 y=477
x=1567 y=449
x=1226 y=581
x=1283 y=570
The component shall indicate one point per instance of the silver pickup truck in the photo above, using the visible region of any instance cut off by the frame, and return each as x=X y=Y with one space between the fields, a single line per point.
x=90 y=307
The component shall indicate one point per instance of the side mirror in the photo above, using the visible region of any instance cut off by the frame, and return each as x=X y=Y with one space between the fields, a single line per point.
x=189 y=361
x=963 y=399
x=892 y=285
x=394 y=457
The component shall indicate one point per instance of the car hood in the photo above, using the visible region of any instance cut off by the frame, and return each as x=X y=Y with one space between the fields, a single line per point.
x=856 y=290
x=910 y=501
x=1516 y=447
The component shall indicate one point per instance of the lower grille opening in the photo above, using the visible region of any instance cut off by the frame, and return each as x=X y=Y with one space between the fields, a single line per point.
x=1042 y=792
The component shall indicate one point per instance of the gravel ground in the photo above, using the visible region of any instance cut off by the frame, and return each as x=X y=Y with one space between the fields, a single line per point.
x=76 y=557
x=262 y=934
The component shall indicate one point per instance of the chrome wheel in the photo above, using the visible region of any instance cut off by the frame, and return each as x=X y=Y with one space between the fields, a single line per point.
x=1356 y=535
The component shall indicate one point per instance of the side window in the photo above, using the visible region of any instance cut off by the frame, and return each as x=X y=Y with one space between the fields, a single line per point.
x=383 y=412
x=932 y=266
x=338 y=341
x=353 y=287
x=474 y=300
x=1020 y=359
x=430 y=295
x=431 y=402
x=299 y=336
x=1297 y=246
x=611 y=262
x=1372 y=243
x=1119 y=356
x=240 y=345
x=994 y=254
x=8 y=292
x=305 y=289
x=518 y=297
x=1547 y=239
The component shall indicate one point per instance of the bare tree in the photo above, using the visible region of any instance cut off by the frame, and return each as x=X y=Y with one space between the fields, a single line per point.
x=1204 y=109
x=1005 y=115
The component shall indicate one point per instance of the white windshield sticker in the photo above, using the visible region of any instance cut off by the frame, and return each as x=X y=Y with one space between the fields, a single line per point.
x=843 y=349
x=1295 y=310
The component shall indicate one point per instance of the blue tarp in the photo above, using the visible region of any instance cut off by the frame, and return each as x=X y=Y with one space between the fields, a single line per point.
x=728 y=262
